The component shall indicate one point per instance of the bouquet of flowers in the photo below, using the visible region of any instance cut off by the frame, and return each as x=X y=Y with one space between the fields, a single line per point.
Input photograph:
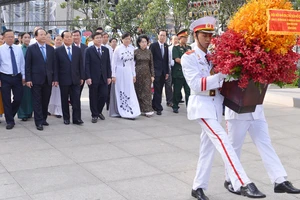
x=247 y=52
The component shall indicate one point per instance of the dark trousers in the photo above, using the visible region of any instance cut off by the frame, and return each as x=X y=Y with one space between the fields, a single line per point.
x=41 y=96
x=158 y=85
x=168 y=89
x=11 y=84
x=178 y=84
x=81 y=88
x=98 y=94
x=72 y=91
x=108 y=97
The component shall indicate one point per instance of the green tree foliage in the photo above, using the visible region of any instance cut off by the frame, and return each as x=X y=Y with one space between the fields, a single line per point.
x=179 y=14
x=128 y=16
x=90 y=11
x=227 y=9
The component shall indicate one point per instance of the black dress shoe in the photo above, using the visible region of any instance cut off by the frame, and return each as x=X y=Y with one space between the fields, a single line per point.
x=251 y=191
x=158 y=112
x=39 y=127
x=175 y=110
x=94 y=119
x=286 y=187
x=24 y=119
x=9 y=126
x=101 y=116
x=181 y=101
x=78 y=122
x=169 y=104
x=45 y=123
x=229 y=187
x=66 y=122
x=58 y=116
x=199 y=194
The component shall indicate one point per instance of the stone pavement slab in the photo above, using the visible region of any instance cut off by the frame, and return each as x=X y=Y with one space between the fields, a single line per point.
x=144 y=159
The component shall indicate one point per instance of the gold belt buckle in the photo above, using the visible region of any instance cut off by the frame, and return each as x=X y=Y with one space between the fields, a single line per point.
x=212 y=92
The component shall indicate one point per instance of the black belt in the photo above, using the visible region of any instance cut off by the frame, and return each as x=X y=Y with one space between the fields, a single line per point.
x=10 y=74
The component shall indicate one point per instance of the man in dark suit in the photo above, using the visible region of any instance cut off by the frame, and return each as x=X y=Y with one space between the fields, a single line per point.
x=40 y=75
x=70 y=77
x=161 y=67
x=76 y=35
x=98 y=75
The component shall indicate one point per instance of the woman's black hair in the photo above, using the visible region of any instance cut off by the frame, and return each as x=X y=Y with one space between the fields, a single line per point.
x=140 y=39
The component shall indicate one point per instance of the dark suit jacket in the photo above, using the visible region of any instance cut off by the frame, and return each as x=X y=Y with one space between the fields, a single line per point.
x=96 y=67
x=69 y=72
x=82 y=48
x=161 y=64
x=36 y=68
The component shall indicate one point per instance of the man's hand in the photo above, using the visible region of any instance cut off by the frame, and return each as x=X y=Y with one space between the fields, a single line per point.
x=134 y=79
x=152 y=79
x=23 y=82
x=81 y=81
x=54 y=83
x=89 y=81
x=113 y=79
x=29 y=84
x=167 y=76
x=108 y=81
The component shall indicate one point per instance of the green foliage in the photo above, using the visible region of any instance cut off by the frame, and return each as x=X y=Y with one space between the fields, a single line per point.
x=179 y=14
x=227 y=9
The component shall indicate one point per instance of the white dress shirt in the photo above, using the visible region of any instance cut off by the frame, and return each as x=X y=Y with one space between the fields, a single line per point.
x=5 y=59
x=67 y=50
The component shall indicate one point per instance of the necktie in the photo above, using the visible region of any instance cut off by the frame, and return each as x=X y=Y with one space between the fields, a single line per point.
x=162 y=50
x=43 y=52
x=69 y=53
x=99 y=52
x=13 y=61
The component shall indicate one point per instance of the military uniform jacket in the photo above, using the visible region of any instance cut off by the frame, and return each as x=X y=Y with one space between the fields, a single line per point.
x=196 y=70
x=178 y=52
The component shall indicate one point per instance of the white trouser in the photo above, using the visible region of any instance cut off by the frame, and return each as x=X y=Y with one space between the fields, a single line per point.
x=214 y=136
x=259 y=133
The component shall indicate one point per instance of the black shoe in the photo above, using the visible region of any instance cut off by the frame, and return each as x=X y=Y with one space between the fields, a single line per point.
x=199 y=194
x=285 y=187
x=66 y=122
x=169 y=104
x=158 y=112
x=24 y=119
x=229 y=187
x=49 y=113
x=101 y=116
x=78 y=122
x=181 y=101
x=45 y=123
x=251 y=191
x=94 y=119
x=39 y=127
x=58 y=116
x=9 y=126
x=175 y=110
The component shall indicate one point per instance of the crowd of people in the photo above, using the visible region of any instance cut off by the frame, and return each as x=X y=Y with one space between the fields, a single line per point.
x=44 y=76
x=45 y=79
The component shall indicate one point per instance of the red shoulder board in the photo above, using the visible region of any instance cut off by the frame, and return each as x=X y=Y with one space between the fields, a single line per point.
x=190 y=52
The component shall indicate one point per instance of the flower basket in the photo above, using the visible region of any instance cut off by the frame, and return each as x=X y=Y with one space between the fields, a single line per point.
x=243 y=100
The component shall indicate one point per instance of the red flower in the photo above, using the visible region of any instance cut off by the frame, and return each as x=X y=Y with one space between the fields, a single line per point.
x=232 y=56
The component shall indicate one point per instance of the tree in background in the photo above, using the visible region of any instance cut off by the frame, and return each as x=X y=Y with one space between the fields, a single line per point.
x=227 y=9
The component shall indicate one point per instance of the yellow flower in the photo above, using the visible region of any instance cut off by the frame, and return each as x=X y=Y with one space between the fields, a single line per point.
x=251 y=20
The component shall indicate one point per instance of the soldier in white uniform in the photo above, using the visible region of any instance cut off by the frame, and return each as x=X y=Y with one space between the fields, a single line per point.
x=205 y=106
x=255 y=123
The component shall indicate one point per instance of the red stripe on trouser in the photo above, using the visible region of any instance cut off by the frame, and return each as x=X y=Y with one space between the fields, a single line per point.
x=202 y=83
x=224 y=151
x=205 y=83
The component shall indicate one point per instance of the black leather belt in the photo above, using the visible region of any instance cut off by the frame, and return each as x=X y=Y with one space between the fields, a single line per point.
x=11 y=74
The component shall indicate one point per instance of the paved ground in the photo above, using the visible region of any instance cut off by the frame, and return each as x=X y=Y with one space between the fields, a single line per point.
x=118 y=159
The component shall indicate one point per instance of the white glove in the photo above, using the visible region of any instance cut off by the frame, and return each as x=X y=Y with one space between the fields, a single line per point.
x=222 y=76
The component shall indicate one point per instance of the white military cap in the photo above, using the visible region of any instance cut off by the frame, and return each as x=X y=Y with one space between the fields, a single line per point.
x=204 y=24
